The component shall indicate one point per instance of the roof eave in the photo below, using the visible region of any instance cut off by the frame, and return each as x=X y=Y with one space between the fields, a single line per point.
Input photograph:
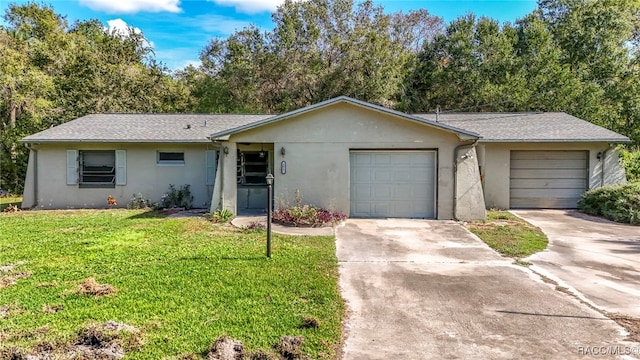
x=111 y=141
x=604 y=140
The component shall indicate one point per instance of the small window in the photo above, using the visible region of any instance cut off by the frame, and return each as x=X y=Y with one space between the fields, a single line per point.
x=97 y=168
x=170 y=158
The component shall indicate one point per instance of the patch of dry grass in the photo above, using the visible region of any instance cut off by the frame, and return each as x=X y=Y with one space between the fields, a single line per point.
x=509 y=235
x=91 y=287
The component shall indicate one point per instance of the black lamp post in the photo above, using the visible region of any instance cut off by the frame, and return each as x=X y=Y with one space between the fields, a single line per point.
x=269 y=209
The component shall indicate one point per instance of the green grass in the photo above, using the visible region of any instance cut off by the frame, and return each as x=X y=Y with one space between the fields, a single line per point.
x=10 y=200
x=509 y=235
x=182 y=282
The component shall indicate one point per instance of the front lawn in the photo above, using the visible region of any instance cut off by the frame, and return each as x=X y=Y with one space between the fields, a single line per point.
x=182 y=283
x=509 y=235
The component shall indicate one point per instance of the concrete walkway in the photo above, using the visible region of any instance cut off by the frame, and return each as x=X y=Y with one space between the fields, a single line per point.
x=420 y=289
x=596 y=258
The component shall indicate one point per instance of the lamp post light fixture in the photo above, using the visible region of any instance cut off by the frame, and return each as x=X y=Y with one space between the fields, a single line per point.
x=269 y=179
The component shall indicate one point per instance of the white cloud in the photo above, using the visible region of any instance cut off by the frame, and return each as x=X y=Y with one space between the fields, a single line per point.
x=132 y=6
x=121 y=28
x=251 y=6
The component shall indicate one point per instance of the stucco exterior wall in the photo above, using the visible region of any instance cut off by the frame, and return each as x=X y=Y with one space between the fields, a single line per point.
x=611 y=170
x=470 y=198
x=144 y=176
x=317 y=147
x=497 y=166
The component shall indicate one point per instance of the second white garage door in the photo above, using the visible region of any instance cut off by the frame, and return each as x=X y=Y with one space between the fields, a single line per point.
x=393 y=184
x=547 y=179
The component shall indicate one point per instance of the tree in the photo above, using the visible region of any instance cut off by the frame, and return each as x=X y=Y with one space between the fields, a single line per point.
x=317 y=50
x=473 y=66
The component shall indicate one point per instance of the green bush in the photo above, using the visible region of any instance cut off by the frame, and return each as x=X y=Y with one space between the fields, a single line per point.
x=136 y=202
x=177 y=198
x=619 y=203
x=222 y=216
x=630 y=159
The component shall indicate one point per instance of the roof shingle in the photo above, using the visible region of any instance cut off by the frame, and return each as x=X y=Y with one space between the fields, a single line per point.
x=197 y=128
x=528 y=127
x=178 y=128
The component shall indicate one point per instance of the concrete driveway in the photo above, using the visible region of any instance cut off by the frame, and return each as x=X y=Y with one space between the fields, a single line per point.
x=419 y=289
x=597 y=258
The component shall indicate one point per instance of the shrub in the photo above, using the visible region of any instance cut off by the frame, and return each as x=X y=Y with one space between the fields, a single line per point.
x=136 y=202
x=306 y=215
x=221 y=216
x=181 y=197
x=619 y=203
x=631 y=161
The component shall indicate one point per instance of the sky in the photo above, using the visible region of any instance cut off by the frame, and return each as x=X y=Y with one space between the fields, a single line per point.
x=179 y=29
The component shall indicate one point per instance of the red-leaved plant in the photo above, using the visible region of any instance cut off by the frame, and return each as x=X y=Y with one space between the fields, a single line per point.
x=306 y=215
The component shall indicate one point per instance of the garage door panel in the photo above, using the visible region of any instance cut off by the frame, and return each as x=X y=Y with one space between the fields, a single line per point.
x=550 y=164
x=382 y=159
x=547 y=173
x=548 y=155
x=547 y=179
x=546 y=193
x=548 y=183
x=361 y=175
x=393 y=184
x=382 y=191
x=383 y=175
x=380 y=208
x=361 y=159
x=546 y=203
x=362 y=207
x=405 y=176
x=406 y=193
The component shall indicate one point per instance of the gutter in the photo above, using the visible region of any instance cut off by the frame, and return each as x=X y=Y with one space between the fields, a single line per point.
x=35 y=173
x=456 y=151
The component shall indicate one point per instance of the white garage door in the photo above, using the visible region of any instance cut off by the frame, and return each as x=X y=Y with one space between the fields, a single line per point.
x=393 y=184
x=547 y=179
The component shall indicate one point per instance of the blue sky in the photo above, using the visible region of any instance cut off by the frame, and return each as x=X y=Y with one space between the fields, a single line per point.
x=179 y=29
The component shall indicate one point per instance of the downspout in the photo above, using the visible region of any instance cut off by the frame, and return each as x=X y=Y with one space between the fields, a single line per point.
x=222 y=164
x=219 y=174
x=472 y=144
x=603 y=158
x=35 y=173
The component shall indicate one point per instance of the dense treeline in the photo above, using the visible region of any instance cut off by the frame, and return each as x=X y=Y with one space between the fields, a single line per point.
x=577 y=56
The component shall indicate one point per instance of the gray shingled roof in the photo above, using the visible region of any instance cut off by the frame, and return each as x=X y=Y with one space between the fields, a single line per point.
x=143 y=128
x=493 y=127
x=528 y=127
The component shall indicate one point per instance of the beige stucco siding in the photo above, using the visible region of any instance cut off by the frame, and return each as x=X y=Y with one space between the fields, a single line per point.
x=317 y=147
x=143 y=175
x=496 y=169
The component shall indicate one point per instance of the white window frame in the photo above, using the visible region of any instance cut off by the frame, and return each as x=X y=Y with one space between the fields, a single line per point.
x=160 y=162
